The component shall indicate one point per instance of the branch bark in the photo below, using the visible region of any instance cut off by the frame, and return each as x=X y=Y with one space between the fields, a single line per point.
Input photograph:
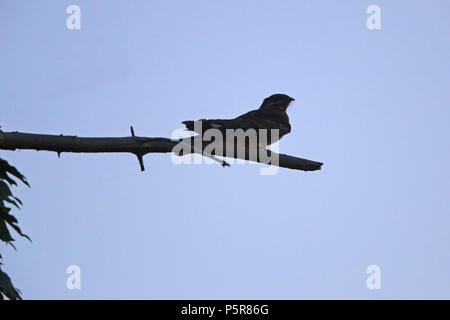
x=138 y=146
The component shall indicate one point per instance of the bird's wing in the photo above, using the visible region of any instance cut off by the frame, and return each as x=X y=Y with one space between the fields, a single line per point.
x=260 y=119
x=256 y=119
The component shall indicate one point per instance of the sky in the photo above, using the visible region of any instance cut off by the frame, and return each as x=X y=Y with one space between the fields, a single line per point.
x=372 y=105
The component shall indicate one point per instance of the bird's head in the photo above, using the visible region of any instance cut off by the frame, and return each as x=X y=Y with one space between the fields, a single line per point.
x=277 y=102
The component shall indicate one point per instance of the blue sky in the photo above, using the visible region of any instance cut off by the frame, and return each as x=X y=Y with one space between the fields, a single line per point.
x=373 y=105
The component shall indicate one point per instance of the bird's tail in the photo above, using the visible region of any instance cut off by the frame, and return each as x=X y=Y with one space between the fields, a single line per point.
x=204 y=125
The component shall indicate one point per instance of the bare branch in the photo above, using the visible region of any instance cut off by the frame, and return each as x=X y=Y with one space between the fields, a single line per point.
x=133 y=144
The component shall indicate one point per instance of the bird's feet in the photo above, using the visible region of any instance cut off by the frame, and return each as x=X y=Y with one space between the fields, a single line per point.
x=225 y=164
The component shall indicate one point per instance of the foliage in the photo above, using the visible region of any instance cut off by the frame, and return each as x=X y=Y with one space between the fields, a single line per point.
x=7 y=220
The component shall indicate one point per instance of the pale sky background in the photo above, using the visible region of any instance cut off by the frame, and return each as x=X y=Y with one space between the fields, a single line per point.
x=373 y=105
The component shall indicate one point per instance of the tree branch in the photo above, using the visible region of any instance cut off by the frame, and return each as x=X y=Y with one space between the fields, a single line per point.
x=133 y=144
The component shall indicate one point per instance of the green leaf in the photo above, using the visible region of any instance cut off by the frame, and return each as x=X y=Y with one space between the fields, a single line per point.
x=4 y=233
x=6 y=219
x=7 y=289
x=4 y=176
x=5 y=166
x=5 y=192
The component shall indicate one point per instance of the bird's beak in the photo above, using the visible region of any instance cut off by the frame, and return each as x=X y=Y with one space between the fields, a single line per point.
x=289 y=103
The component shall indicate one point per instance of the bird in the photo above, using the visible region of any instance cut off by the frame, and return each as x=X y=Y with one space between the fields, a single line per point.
x=270 y=115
